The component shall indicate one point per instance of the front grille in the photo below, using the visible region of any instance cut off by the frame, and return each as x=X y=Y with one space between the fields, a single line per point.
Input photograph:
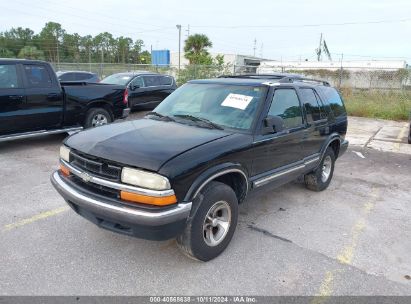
x=95 y=166
x=108 y=192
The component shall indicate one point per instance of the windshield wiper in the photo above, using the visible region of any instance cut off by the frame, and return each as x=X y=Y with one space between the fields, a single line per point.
x=164 y=117
x=200 y=119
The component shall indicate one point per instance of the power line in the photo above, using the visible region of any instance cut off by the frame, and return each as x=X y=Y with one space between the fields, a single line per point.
x=302 y=25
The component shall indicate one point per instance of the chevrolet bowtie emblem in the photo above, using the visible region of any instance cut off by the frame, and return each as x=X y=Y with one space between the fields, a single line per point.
x=85 y=177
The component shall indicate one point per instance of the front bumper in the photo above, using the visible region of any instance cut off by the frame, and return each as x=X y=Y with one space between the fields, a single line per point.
x=111 y=214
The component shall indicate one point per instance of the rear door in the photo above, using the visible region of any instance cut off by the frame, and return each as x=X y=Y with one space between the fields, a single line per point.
x=44 y=98
x=153 y=88
x=279 y=150
x=316 y=128
x=12 y=99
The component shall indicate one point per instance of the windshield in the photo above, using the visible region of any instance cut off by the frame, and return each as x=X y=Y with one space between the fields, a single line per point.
x=231 y=106
x=121 y=79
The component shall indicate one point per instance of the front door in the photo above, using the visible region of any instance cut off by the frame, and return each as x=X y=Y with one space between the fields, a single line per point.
x=280 y=150
x=12 y=99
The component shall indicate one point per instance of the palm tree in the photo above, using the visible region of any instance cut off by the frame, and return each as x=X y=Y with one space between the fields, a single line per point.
x=195 y=49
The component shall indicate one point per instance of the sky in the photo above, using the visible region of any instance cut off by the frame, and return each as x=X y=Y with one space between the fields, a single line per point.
x=283 y=30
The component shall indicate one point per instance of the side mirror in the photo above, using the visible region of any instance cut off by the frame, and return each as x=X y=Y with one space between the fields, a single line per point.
x=273 y=124
x=134 y=87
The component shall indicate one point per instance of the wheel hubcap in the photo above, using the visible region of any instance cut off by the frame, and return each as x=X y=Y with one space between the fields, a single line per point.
x=99 y=120
x=326 y=170
x=217 y=223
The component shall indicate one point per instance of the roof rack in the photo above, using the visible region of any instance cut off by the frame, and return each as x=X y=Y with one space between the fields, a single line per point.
x=280 y=77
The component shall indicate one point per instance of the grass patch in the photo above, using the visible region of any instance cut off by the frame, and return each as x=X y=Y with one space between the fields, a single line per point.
x=393 y=105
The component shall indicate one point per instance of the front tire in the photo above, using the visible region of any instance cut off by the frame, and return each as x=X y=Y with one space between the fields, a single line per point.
x=319 y=179
x=96 y=117
x=210 y=229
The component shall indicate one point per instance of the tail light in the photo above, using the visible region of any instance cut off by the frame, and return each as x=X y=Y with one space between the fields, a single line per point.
x=125 y=96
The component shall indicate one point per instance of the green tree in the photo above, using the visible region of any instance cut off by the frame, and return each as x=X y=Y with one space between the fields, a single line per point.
x=70 y=50
x=124 y=45
x=6 y=53
x=195 y=49
x=49 y=40
x=31 y=52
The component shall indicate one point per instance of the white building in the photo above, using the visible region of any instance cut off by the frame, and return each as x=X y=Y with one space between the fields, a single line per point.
x=236 y=60
x=355 y=65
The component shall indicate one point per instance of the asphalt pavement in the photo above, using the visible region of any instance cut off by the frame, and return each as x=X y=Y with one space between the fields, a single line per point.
x=352 y=239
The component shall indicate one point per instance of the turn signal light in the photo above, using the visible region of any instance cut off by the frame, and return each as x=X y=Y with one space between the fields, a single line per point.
x=64 y=170
x=150 y=200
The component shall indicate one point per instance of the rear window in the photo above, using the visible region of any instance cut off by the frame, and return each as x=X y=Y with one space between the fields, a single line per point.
x=37 y=76
x=334 y=99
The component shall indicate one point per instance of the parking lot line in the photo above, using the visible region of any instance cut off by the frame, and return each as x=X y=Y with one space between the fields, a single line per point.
x=400 y=136
x=37 y=217
x=347 y=253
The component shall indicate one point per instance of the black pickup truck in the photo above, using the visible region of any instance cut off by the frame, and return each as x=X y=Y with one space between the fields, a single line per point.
x=33 y=102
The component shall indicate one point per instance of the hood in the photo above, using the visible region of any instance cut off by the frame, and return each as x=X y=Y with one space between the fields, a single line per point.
x=143 y=143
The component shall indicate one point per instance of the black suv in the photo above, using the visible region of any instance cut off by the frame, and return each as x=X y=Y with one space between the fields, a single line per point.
x=144 y=89
x=182 y=170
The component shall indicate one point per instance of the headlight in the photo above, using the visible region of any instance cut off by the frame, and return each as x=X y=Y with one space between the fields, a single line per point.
x=144 y=179
x=65 y=153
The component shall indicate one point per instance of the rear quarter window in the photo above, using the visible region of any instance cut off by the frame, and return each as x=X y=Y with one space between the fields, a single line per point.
x=333 y=98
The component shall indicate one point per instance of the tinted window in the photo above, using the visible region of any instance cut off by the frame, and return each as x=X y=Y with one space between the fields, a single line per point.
x=151 y=81
x=138 y=81
x=8 y=76
x=286 y=105
x=82 y=76
x=335 y=101
x=165 y=80
x=311 y=103
x=37 y=76
x=121 y=79
x=66 y=77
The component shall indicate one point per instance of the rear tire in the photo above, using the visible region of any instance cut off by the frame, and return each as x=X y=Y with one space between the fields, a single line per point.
x=320 y=178
x=96 y=117
x=210 y=229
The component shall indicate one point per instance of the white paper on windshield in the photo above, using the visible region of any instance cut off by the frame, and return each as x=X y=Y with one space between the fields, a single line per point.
x=237 y=101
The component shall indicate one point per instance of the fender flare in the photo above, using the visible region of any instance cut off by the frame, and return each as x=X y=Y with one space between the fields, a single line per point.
x=210 y=174
x=330 y=139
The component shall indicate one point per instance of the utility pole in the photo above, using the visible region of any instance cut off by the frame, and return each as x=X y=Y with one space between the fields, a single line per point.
x=255 y=45
x=341 y=70
x=188 y=30
x=319 y=48
x=89 y=58
x=179 y=46
x=58 y=54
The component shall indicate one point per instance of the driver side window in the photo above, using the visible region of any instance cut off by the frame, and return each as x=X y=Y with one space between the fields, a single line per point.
x=285 y=104
x=138 y=81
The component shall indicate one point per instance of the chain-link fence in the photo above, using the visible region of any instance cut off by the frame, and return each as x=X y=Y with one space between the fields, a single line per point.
x=377 y=79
